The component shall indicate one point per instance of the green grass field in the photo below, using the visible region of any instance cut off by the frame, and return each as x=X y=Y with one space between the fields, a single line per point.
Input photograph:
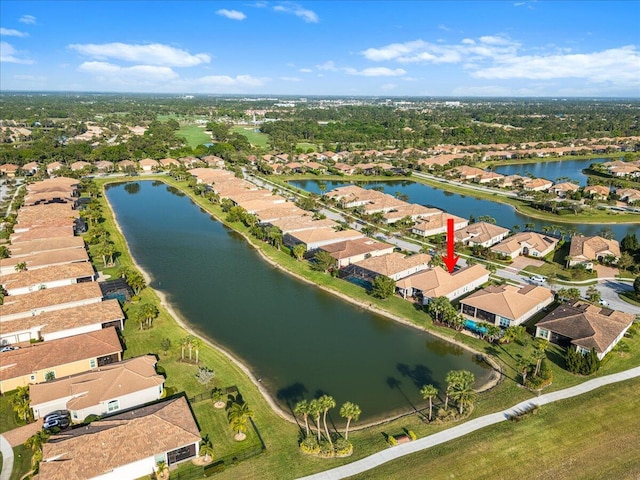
x=194 y=134
x=592 y=436
x=256 y=139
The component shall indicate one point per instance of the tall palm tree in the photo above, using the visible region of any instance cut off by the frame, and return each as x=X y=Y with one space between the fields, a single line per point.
x=149 y=312
x=196 y=343
x=315 y=410
x=185 y=342
x=302 y=408
x=350 y=411
x=206 y=450
x=464 y=395
x=428 y=393
x=539 y=354
x=21 y=403
x=238 y=415
x=327 y=402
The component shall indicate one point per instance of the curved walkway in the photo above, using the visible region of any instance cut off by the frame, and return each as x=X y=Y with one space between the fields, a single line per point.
x=389 y=454
x=7 y=459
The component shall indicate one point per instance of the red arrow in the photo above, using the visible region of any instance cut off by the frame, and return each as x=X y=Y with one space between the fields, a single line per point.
x=451 y=259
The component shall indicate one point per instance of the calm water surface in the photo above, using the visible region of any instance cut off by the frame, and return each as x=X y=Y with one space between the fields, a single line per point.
x=563 y=170
x=464 y=206
x=298 y=339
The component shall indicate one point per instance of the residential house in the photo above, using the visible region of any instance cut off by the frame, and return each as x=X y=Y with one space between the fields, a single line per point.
x=167 y=163
x=598 y=192
x=301 y=222
x=563 y=189
x=436 y=224
x=409 y=210
x=127 y=165
x=21 y=249
x=513 y=181
x=18 y=283
x=79 y=165
x=628 y=195
x=483 y=234
x=104 y=166
x=394 y=265
x=344 y=169
x=488 y=177
x=583 y=326
x=101 y=391
x=506 y=305
x=124 y=446
x=531 y=244
x=465 y=172
x=353 y=251
x=587 y=250
x=438 y=282
x=44 y=259
x=149 y=164
x=8 y=170
x=41 y=233
x=53 y=167
x=30 y=168
x=65 y=185
x=537 y=185
x=57 y=324
x=213 y=161
x=44 y=361
x=319 y=237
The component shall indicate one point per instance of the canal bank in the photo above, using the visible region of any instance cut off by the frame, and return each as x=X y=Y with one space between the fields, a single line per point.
x=255 y=377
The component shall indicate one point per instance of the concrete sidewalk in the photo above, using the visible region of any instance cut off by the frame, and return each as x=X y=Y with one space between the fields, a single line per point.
x=7 y=459
x=389 y=454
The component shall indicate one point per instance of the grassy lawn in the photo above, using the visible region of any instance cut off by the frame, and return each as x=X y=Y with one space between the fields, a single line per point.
x=8 y=419
x=521 y=161
x=256 y=139
x=552 y=444
x=629 y=297
x=21 y=462
x=306 y=146
x=194 y=134
x=554 y=264
x=282 y=458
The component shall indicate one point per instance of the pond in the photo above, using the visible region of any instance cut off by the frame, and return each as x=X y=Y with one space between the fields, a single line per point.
x=562 y=169
x=463 y=206
x=296 y=338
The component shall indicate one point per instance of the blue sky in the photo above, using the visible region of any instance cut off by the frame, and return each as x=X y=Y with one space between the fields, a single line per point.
x=455 y=48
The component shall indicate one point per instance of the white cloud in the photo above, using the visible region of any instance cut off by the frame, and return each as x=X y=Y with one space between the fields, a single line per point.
x=227 y=81
x=10 y=32
x=291 y=79
x=306 y=70
x=129 y=75
x=8 y=54
x=307 y=15
x=495 y=40
x=393 y=51
x=329 y=66
x=28 y=19
x=616 y=65
x=151 y=54
x=231 y=14
x=376 y=72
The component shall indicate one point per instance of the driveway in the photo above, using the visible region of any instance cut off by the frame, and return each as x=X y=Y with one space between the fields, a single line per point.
x=521 y=262
x=19 y=435
x=605 y=272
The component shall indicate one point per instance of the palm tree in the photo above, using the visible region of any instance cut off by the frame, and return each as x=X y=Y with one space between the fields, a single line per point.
x=136 y=281
x=217 y=395
x=190 y=339
x=206 y=450
x=539 y=353
x=298 y=251
x=162 y=469
x=428 y=393
x=238 y=416
x=350 y=411
x=149 y=312
x=21 y=403
x=196 y=343
x=185 y=342
x=326 y=402
x=438 y=306
x=315 y=410
x=460 y=386
x=302 y=408
x=21 y=267
x=452 y=378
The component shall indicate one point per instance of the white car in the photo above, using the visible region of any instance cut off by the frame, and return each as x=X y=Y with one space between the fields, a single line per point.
x=603 y=302
x=538 y=279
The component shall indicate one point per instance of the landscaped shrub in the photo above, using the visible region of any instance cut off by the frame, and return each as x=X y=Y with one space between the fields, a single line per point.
x=310 y=445
x=326 y=449
x=343 y=447
x=412 y=435
x=392 y=440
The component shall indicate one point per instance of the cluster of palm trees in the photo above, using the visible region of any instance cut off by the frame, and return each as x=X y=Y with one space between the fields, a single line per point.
x=145 y=315
x=319 y=408
x=441 y=309
x=133 y=278
x=459 y=389
x=21 y=403
x=191 y=343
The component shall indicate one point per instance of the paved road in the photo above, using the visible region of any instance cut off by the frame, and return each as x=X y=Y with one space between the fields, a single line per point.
x=7 y=459
x=393 y=453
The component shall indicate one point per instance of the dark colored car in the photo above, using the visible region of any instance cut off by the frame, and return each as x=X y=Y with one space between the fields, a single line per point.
x=57 y=418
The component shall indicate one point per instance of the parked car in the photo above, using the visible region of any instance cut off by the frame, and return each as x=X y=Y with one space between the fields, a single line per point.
x=603 y=302
x=60 y=423
x=8 y=348
x=57 y=415
x=538 y=279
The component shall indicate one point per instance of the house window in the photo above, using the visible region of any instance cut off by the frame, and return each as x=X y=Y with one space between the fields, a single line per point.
x=75 y=415
x=504 y=322
x=92 y=363
x=33 y=377
x=113 y=405
x=543 y=333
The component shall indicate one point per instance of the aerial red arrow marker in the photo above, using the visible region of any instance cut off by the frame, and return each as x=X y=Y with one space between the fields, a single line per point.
x=451 y=259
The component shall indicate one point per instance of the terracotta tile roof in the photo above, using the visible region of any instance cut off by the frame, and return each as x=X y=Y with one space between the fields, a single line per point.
x=119 y=440
x=394 y=263
x=51 y=354
x=480 y=232
x=39 y=276
x=597 y=189
x=533 y=239
x=149 y=162
x=43 y=259
x=278 y=211
x=49 y=197
x=45 y=245
x=537 y=183
x=58 y=184
x=438 y=282
x=169 y=161
x=301 y=222
x=51 y=214
x=100 y=384
x=590 y=248
x=437 y=221
x=588 y=326
x=324 y=234
x=50 y=297
x=358 y=246
x=104 y=165
x=255 y=206
x=40 y=233
x=248 y=195
x=565 y=187
x=67 y=319
x=508 y=301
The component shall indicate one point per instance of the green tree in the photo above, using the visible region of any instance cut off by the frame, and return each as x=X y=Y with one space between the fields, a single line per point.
x=327 y=402
x=322 y=261
x=630 y=243
x=350 y=411
x=238 y=416
x=36 y=441
x=206 y=450
x=568 y=294
x=196 y=344
x=217 y=395
x=383 y=287
x=439 y=307
x=149 y=312
x=302 y=409
x=136 y=281
x=593 y=294
x=626 y=261
x=539 y=353
x=298 y=251
x=636 y=286
x=429 y=392
x=165 y=345
x=20 y=267
x=514 y=333
x=315 y=410
x=21 y=403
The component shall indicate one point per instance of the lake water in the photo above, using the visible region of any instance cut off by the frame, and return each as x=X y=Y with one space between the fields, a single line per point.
x=571 y=169
x=464 y=206
x=298 y=339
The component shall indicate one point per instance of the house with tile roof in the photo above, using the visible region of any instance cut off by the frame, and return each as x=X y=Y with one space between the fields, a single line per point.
x=483 y=234
x=124 y=446
x=42 y=233
x=101 y=391
x=587 y=250
x=18 y=283
x=506 y=305
x=301 y=222
x=563 y=189
x=394 y=265
x=353 y=251
x=57 y=324
x=44 y=259
x=526 y=243
x=438 y=282
x=148 y=164
x=583 y=326
x=599 y=192
x=50 y=244
x=40 y=362
x=537 y=184
x=319 y=237
x=437 y=223
x=628 y=195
